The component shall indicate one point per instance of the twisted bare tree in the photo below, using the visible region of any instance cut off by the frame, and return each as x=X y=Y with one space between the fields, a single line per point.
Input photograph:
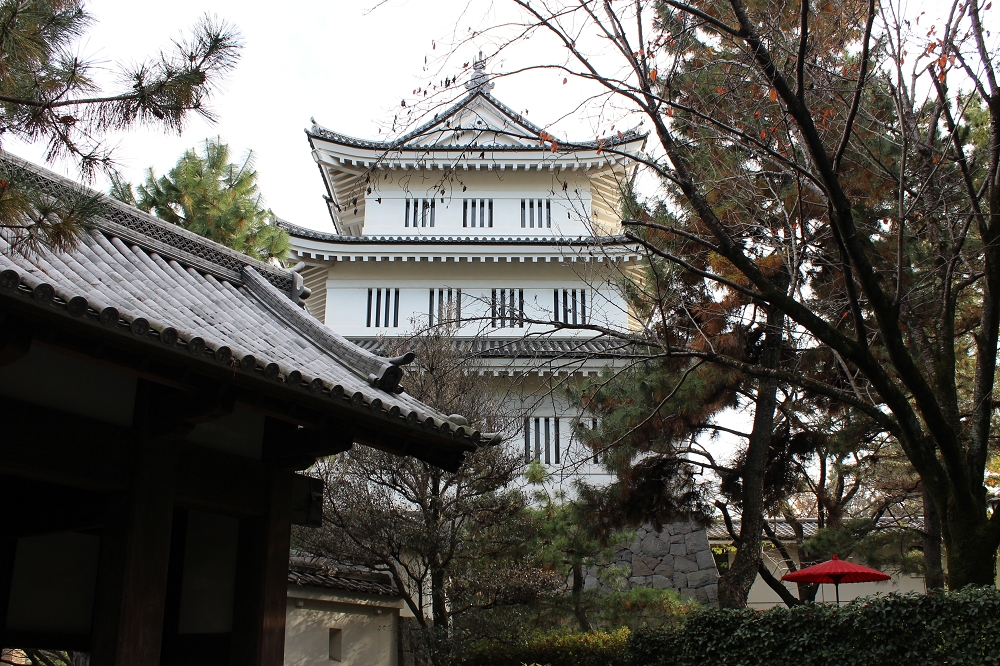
x=830 y=179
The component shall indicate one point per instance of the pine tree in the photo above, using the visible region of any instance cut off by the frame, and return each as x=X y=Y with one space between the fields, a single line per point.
x=47 y=96
x=565 y=539
x=213 y=197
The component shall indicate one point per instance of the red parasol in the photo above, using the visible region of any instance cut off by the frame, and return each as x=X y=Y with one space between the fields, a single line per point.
x=835 y=571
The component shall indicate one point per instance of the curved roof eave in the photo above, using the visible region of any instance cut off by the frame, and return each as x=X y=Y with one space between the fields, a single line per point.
x=403 y=143
x=564 y=148
x=144 y=283
x=311 y=234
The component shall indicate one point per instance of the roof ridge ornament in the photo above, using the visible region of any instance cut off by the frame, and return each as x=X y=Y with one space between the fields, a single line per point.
x=480 y=81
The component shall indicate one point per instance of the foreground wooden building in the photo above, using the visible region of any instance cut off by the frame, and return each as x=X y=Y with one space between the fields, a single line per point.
x=158 y=393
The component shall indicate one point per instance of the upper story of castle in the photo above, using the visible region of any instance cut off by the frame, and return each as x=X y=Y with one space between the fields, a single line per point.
x=476 y=217
x=477 y=169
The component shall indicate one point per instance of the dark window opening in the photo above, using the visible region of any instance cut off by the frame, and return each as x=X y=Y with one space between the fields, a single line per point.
x=572 y=309
x=383 y=307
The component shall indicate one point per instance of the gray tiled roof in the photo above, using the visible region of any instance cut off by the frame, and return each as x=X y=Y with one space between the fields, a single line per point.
x=401 y=143
x=150 y=280
x=785 y=532
x=168 y=240
x=312 y=234
x=308 y=572
x=527 y=348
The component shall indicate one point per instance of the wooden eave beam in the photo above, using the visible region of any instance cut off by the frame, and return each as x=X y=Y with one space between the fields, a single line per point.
x=75 y=451
x=69 y=450
x=173 y=367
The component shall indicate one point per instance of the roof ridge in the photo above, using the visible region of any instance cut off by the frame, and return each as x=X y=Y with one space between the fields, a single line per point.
x=439 y=117
x=151 y=233
x=382 y=373
x=523 y=347
x=463 y=103
x=514 y=115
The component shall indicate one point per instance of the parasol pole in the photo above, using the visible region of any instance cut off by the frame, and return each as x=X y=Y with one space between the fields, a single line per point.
x=836 y=584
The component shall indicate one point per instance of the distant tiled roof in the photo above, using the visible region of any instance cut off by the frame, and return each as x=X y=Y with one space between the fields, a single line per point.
x=512 y=348
x=309 y=572
x=136 y=275
x=574 y=241
x=401 y=143
x=785 y=532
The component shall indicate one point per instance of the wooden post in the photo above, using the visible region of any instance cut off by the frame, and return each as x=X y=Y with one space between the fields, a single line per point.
x=8 y=549
x=135 y=553
x=258 y=637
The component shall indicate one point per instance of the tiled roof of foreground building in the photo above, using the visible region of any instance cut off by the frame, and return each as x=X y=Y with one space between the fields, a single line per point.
x=172 y=290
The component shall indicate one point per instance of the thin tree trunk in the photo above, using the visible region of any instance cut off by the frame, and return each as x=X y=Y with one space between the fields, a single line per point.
x=735 y=584
x=439 y=601
x=578 y=609
x=439 y=596
x=777 y=587
x=933 y=571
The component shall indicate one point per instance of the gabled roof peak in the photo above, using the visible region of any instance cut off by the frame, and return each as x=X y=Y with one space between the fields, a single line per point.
x=478 y=118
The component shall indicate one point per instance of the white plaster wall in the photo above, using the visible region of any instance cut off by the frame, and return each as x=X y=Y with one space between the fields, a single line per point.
x=349 y=282
x=540 y=397
x=385 y=206
x=368 y=633
x=762 y=596
x=533 y=395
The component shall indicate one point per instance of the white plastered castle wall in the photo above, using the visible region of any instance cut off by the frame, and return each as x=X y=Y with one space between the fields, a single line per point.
x=366 y=297
x=547 y=203
x=487 y=176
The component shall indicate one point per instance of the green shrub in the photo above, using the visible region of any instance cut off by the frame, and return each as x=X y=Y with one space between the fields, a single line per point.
x=594 y=648
x=895 y=630
x=641 y=607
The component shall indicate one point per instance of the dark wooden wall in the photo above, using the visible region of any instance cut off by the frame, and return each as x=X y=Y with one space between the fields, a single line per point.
x=136 y=484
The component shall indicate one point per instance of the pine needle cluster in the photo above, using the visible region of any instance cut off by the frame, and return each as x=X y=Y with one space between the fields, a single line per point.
x=208 y=194
x=48 y=95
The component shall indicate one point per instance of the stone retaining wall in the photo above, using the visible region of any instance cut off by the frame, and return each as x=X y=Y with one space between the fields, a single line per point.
x=678 y=557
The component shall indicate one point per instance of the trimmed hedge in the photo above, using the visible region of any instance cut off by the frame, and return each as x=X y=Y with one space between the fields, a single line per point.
x=894 y=630
x=594 y=648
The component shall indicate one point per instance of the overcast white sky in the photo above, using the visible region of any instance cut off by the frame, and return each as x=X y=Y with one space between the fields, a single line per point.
x=334 y=61
x=338 y=61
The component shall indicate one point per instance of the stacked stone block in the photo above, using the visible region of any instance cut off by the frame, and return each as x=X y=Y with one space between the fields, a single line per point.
x=679 y=558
